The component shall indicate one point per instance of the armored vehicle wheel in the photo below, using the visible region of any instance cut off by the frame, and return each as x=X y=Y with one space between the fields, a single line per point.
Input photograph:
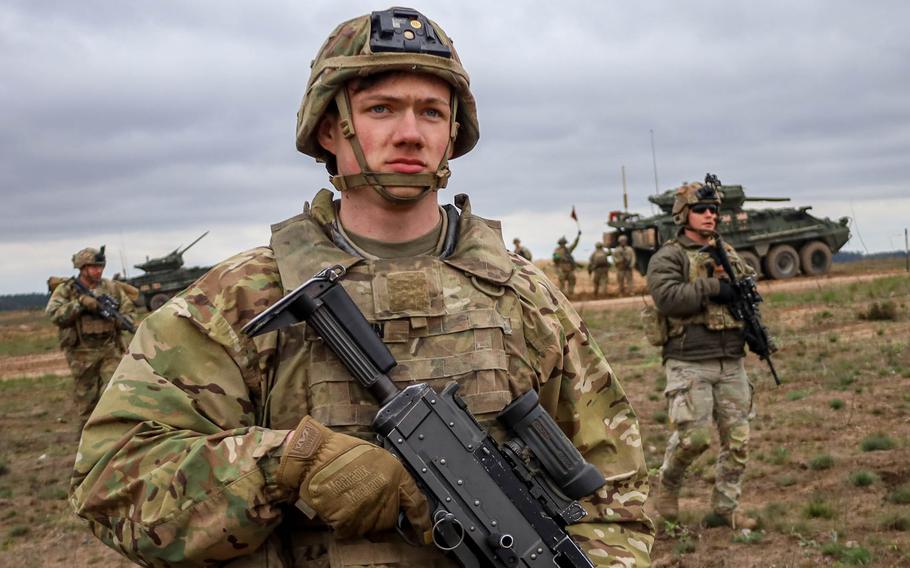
x=782 y=262
x=157 y=301
x=816 y=258
x=752 y=260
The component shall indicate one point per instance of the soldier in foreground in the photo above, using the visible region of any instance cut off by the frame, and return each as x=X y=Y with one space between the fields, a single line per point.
x=520 y=249
x=599 y=268
x=624 y=260
x=703 y=351
x=92 y=344
x=206 y=440
x=565 y=265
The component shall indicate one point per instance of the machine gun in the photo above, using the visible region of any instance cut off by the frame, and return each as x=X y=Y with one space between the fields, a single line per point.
x=498 y=505
x=746 y=298
x=108 y=308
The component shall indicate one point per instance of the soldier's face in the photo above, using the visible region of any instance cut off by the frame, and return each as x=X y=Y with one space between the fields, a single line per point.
x=91 y=273
x=402 y=123
x=706 y=220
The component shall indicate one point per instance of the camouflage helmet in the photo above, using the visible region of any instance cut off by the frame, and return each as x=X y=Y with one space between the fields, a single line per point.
x=598 y=245
x=690 y=194
x=89 y=256
x=516 y=241
x=562 y=240
x=397 y=39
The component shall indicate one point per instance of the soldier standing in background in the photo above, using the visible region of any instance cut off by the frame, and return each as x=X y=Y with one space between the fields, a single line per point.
x=624 y=261
x=93 y=345
x=703 y=354
x=214 y=448
x=521 y=250
x=599 y=268
x=564 y=263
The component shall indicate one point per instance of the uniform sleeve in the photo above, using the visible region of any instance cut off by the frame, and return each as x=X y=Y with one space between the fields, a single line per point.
x=127 y=307
x=583 y=394
x=575 y=242
x=171 y=469
x=673 y=294
x=63 y=307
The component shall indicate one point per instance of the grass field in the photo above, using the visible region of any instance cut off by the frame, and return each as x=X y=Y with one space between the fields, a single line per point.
x=829 y=473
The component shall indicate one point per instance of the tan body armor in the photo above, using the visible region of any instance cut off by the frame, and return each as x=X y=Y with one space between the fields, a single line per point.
x=714 y=316
x=442 y=322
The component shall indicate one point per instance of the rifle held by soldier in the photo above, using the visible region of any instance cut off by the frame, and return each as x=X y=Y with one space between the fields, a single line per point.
x=108 y=307
x=744 y=307
x=491 y=504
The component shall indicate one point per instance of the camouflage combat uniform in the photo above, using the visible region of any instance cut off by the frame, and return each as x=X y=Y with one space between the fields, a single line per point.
x=565 y=265
x=522 y=251
x=624 y=260
x=93 y=346
x=703 y=356
x=178 y=464
x=599 y=269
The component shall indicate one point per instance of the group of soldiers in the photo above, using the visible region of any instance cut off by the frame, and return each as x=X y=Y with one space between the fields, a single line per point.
x=210 y=447
x=598 y=267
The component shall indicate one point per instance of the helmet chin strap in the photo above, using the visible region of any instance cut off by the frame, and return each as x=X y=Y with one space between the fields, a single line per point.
x=428 y=182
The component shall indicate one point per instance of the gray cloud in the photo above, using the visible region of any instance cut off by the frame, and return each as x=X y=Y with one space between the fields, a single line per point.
x=146 y=123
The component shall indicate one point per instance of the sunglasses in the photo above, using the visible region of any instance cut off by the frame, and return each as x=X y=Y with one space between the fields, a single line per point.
x=702 y=207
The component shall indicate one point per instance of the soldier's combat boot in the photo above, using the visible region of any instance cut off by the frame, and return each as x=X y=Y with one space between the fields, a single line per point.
x=737 y=520
x=667 y=503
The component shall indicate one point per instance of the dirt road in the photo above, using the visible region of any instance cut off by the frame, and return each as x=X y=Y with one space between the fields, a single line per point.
x=765 y=287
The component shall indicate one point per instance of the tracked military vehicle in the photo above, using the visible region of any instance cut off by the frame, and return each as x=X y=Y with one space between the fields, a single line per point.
x=778 y=243
x=165 y=276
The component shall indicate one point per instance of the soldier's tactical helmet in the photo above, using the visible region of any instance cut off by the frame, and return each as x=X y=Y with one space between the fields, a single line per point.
x=598 y=245
x=562 y=241
x=623 y=239
x=88 y=256
x=516 y=241
x=690 y=194
x=397 y=39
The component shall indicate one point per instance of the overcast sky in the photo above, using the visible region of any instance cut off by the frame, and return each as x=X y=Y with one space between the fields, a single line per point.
x=143 y=124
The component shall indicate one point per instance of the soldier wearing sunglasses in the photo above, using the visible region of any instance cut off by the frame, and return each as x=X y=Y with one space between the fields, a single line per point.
x=703 y=353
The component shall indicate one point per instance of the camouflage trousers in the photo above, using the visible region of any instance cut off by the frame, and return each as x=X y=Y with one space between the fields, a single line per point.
x=699 y=392
x=600 y=277
x=624 y=279
x=566 y=277
x=92 y=368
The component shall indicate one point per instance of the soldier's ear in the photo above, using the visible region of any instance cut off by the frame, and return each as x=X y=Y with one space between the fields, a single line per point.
x=328 y=133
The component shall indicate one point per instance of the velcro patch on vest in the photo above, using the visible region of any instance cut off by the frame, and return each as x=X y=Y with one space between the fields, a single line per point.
x=396 y=331
x=408 y=291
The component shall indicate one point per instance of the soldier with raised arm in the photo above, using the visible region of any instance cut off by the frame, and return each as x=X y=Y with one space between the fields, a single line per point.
x=211 y=448
x=565 y=265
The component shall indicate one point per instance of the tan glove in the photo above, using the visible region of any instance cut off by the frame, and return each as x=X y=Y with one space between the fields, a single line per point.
x=353 y=486
x=88 y=303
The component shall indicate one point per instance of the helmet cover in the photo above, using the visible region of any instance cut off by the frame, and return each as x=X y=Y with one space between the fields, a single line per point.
x=89 y=256
x=397 y=39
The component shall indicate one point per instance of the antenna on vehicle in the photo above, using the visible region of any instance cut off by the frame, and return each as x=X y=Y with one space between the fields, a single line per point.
x=856 y=226
x=123 y=262
x=654 y=161
x=625 y=194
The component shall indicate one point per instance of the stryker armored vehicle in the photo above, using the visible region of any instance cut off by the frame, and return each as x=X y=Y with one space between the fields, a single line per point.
x=778 y=243
x=165 y=276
